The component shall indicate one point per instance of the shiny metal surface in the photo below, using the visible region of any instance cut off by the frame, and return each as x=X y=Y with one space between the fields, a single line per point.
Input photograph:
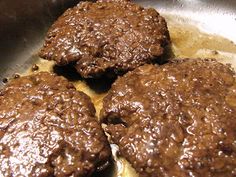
x=212 y=16
x=23 y=24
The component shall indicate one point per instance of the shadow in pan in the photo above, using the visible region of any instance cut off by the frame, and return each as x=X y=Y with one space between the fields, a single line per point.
x=99 y=85
x=68 y=71
x=108 y=172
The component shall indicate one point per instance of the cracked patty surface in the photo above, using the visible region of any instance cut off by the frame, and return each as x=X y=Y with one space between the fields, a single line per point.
x=106 y=37
x=47 y=128
x=178 y=119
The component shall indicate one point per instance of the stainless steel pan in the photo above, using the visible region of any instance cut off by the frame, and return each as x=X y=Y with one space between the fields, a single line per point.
x=23 y=25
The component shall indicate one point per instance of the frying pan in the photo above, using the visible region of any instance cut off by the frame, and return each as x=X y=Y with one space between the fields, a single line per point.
x=23 y=25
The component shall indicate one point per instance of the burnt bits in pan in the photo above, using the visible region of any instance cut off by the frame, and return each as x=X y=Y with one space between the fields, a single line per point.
x=177 y=119
x=106 y=37
x=47 y=128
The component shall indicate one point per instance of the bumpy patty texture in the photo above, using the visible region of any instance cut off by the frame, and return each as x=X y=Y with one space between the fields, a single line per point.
x=178 y=119
x=106 y=37
x=47 y=128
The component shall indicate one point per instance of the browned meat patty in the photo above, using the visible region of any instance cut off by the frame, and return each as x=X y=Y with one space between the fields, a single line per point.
x=47 y=128
x=106 y=37
x=178 y=119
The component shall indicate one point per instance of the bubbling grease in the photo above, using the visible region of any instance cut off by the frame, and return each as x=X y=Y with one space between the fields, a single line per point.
x=187 y=41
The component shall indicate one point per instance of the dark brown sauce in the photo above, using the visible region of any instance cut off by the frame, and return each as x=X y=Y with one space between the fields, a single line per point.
x=187 y=41
x=4 y=80
x=35 y=67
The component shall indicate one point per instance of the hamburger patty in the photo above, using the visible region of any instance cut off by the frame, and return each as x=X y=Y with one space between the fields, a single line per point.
x=178 y=119
x=106 y=37
x=47 y=128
